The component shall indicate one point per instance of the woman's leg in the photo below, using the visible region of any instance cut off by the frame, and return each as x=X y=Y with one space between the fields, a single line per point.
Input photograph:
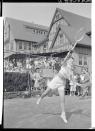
x=62 y=100
x=43 y=95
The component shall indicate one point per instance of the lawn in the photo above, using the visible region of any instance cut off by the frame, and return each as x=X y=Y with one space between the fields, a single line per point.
x=24 y=113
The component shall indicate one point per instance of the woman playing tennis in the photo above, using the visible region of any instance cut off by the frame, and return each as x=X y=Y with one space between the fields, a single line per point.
x=59 y=80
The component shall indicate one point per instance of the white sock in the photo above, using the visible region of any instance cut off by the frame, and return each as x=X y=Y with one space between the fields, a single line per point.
x=63 y=116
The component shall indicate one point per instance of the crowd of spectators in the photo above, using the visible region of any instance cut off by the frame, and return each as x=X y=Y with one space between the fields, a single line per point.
x=32 y=63
x=53 y=63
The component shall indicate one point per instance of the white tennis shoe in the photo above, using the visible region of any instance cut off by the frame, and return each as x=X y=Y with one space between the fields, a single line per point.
x=63 y=116
x=38 y=101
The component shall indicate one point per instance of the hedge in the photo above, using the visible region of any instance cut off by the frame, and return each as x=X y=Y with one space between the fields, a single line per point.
x=14 y=81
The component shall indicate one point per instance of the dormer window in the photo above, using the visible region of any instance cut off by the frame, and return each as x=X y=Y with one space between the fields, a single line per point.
x=20 y=44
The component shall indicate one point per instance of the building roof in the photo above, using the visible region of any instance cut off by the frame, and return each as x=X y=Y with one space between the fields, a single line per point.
x=71 y=35
x=75 y=20
x=75 y=23
x=19 y=30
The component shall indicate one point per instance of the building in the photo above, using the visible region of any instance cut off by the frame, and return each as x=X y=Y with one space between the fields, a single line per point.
x=62 y=33
x=22 y=37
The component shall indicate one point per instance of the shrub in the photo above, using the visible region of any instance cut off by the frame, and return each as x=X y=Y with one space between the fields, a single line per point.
x=14 y=81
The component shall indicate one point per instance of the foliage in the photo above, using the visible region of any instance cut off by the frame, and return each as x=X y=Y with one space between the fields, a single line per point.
x=14 y=81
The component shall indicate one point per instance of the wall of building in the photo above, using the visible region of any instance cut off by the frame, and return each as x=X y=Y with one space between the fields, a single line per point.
x=84 y=56
x=54 y=27
x=9 y=42
x=29 y=47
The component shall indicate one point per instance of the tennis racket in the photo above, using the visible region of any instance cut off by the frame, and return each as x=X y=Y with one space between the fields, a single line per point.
x=78 y=37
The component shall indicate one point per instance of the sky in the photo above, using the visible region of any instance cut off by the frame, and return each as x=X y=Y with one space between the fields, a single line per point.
x=42 y=13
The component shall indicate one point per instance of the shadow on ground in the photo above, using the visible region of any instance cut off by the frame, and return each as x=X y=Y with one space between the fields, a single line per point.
x=77 y=112
x=68 y=114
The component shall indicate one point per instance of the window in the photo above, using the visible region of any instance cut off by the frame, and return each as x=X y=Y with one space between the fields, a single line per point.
x=29 y=46
x=80 y=60
x=20 y=45
x=25 y=46
x=85 y=60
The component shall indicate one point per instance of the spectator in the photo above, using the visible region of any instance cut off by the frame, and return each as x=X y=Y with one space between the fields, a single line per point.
x=78 y=88
x=57 y=65
x=36 y=63
x=85 y=82
x=73 y=86
x=53 y=63
x=36 y=77
x=31 y=79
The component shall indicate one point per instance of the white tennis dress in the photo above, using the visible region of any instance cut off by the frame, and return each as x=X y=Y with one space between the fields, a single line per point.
x=60 y=79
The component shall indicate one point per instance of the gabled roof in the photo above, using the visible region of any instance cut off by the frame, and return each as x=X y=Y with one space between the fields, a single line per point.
x=74 y=20
x=56 y=34
x=18 y=28
x=70 y=33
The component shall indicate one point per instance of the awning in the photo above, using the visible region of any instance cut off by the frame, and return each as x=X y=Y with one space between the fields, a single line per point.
x=30 y=55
